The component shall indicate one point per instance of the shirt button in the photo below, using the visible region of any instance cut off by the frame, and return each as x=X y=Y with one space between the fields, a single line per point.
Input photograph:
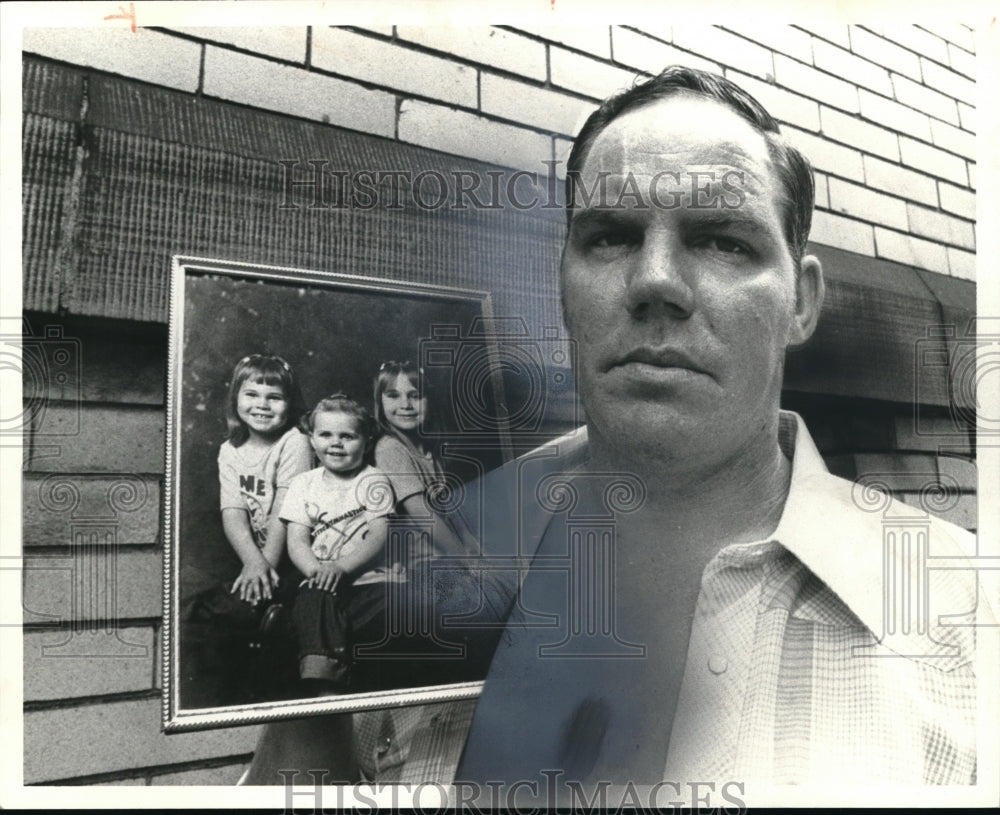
x=384 y=744
x=717 y=665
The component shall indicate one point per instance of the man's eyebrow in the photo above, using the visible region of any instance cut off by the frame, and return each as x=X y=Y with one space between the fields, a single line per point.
x=596 y=215
x=716 y=219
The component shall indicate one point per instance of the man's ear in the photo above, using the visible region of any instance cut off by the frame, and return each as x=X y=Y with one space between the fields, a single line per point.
x=809 y=292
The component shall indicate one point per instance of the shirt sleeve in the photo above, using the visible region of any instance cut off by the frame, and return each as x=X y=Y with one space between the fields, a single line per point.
x=296 y=457
x=294 y=507
x=393 y=460
x=375 y=494
x=229 y=480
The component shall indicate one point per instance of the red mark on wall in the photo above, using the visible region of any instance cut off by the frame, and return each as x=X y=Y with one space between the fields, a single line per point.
x=127 y=15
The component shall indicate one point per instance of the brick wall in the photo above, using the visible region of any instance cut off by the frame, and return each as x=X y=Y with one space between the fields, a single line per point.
x=887 y=115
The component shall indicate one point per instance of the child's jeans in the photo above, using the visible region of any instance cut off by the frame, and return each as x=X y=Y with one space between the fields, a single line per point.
x=330 y=625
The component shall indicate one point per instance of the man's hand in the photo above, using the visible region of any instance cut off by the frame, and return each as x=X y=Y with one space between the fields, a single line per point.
x=326 y=576
x=256 y=582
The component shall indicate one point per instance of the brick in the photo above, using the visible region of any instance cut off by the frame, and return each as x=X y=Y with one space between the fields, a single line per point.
x=297 y=92
x=815 y=84
x=147 y=55
x=98 y=367
x=832 y=32
x=860 y=134
x=967 y=117
x=931 y=160
x=898 y=180
x=827 y=156
x=822 y=197
x=957 y=200
x=483 y=44
x=948 y=81
x=70 y=664
x=954 y=33
x=940 y=227
x=50 y=505
x=842 y=233
x=960 y=510
x=971 y=168
x=61 y=743
x=962 y=61
x=931 y=434
x=779 y=37
x=732 y=50
x=466 y=134
x=962 y=470
x=910 y=250
x=530 y=105
x=226 y=775
x=882 y=51
x=844 y=64
x=866 y=204
x=585 y=75
x=961 y=264
x=917 y=40
x=911 y=467
x=382 y=30
x=924 y=99
x=652 y=56
x=953 y=139
x=894 y=115
x=594 y=39
x=784 y=105
x=111 y=584
x=392 y=66
x=100 y=439
x=282 y=42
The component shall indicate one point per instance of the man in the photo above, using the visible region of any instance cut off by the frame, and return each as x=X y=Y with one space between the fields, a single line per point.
x=746 y=584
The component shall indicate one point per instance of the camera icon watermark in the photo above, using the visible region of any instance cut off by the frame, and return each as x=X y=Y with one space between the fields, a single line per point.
x=48 y=366
x=499 y=379
x=959 y=367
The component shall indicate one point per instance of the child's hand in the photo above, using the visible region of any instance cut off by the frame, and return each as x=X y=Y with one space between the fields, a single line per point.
x=327 y=576
x=255 y=582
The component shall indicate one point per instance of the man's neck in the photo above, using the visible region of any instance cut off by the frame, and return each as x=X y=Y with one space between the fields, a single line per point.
x=700 y=502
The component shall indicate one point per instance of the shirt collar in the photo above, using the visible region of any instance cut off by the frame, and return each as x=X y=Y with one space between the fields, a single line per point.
x=824 y=524
x=837 y=537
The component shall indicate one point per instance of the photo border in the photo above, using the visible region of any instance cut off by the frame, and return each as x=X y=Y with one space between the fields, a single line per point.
x=174 y=719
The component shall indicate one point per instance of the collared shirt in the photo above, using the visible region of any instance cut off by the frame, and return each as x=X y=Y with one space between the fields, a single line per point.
x=817 y=655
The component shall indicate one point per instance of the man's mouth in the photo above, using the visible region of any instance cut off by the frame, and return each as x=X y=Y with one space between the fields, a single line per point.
x=658 y=357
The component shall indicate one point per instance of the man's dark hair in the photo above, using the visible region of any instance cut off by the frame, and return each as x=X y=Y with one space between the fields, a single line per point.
x=793 y=169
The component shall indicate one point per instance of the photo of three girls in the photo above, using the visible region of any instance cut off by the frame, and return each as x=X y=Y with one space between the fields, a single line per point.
x=328 y=487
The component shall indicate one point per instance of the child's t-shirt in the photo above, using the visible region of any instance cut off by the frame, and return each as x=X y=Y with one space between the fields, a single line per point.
x=409 y=472
x=338 y=511
x=249 y=476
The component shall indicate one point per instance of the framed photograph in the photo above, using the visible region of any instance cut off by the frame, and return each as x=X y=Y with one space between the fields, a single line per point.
x=254 y=350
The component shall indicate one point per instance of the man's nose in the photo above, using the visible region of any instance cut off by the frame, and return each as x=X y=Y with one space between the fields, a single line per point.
x=657 y=280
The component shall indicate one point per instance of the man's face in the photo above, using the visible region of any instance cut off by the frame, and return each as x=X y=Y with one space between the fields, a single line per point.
x=679 y=287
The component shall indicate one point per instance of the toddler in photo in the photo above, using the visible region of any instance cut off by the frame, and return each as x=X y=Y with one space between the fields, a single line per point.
x=337 y=532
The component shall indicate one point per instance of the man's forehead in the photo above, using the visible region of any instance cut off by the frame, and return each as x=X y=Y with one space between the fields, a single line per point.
x=683 y=129
x=683 y=151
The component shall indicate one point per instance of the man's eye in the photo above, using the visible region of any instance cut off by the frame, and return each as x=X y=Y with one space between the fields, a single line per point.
x=727 y=246
x=606 y=239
